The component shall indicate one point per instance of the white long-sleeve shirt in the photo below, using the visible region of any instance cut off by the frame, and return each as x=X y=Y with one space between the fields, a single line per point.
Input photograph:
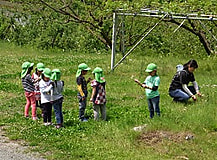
x=45 y=89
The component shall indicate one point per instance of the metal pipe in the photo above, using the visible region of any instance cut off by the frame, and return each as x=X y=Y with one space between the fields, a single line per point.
x=113 y=41
x=162 y=17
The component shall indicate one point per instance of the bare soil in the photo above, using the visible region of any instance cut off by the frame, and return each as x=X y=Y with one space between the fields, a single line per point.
x=156 y=137
x=15 y=150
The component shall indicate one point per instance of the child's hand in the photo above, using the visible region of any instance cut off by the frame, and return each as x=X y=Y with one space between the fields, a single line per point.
x=194 y=97
x=91 y=100
x=89 y=79
x=52 y=83
x=144 y=86
x=136 y=80
x=83 y=98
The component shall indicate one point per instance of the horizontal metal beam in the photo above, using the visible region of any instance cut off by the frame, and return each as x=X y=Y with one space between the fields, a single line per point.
x=171 y=15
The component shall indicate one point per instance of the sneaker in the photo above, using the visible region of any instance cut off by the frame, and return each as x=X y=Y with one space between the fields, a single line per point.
x=45 y=124
x=58 y=126
x=49 y=123
x=34 y=118
x=84 y=120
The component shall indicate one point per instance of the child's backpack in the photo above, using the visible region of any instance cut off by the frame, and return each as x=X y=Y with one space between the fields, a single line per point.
x=179 y=67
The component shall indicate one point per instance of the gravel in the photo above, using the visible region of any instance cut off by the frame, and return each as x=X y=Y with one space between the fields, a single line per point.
x=11 y=150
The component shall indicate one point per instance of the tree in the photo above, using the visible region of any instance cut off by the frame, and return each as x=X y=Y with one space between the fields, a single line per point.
x=96 y=15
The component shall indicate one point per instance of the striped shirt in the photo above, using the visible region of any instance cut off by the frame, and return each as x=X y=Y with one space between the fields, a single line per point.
x=28 y=83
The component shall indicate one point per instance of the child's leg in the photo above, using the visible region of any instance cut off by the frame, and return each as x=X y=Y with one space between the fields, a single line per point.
x=82 y=107
x=44 y=105
x=151 y=108
x=58 y=111
x=96 y=111
x=32 y=99
x=28 y=104
x=103 y=111
x=49 y=112
x=61 y=112
x=155 y=102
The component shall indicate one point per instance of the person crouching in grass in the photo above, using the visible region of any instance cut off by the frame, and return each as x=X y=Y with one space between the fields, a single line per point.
x=98 y=97
x=57 y=96
x=179 y=89
x=29 y=88
x=151 y=85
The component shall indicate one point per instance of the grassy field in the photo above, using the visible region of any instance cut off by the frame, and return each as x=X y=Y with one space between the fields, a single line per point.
x=162 y=138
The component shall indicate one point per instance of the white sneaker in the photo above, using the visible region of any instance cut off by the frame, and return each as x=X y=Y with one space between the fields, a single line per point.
x=84 y=120
x=34 y=118
x=46 y=124
x=49 y=123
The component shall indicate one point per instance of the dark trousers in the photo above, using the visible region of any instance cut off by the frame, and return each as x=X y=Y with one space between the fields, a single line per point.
x=47 y=111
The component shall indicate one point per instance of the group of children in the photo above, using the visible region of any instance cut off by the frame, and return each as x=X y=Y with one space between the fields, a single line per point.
x=44 y=89
x=98 y=96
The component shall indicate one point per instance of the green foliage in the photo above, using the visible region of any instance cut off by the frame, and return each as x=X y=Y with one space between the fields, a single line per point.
x=126 y=108
x=87 y=25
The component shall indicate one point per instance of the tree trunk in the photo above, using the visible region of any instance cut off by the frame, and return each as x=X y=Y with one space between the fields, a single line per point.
x=199 y=33
x=204 y=41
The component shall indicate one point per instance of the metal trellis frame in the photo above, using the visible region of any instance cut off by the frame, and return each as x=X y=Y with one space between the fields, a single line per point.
x=154 y=14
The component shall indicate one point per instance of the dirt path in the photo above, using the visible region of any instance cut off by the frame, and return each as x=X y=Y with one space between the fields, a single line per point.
x=10 y=150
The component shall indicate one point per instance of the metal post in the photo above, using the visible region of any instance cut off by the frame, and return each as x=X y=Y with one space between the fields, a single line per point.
x=113 y=41
x=162 y=17
x=122 y=35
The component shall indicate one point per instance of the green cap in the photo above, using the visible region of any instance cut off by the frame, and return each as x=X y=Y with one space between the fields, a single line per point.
x=151 y=67
x=47 y=72
x=99 y=75
x=25 y=67
x=56 y=74
x=82 y=67
x=40 y=67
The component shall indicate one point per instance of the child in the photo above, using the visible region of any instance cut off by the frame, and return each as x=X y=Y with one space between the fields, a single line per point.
x=179 y=89
x=37 y=77
x=45 y=86
x=98 y=96
x=57 y=97
x=28 y=85
x=151 y=85
x=82 y=89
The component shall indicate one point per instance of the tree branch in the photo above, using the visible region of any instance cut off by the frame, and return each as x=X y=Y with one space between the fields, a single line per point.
x=183 y=26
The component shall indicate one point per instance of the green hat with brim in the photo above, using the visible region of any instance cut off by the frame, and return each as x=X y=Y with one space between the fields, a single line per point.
x=151 y=67
x=47 y=72
x=99 y=75
x=40 y=66
x=25 y=67
x=56 y=74
x=82 y=67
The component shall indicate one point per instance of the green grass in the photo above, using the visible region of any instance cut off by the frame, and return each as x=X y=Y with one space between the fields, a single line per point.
x=126 y=108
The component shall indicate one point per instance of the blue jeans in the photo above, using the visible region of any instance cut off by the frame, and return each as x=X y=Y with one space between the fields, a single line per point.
x=180 y=95
x=82 y=106
x=57 y=105
x=153 y=106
